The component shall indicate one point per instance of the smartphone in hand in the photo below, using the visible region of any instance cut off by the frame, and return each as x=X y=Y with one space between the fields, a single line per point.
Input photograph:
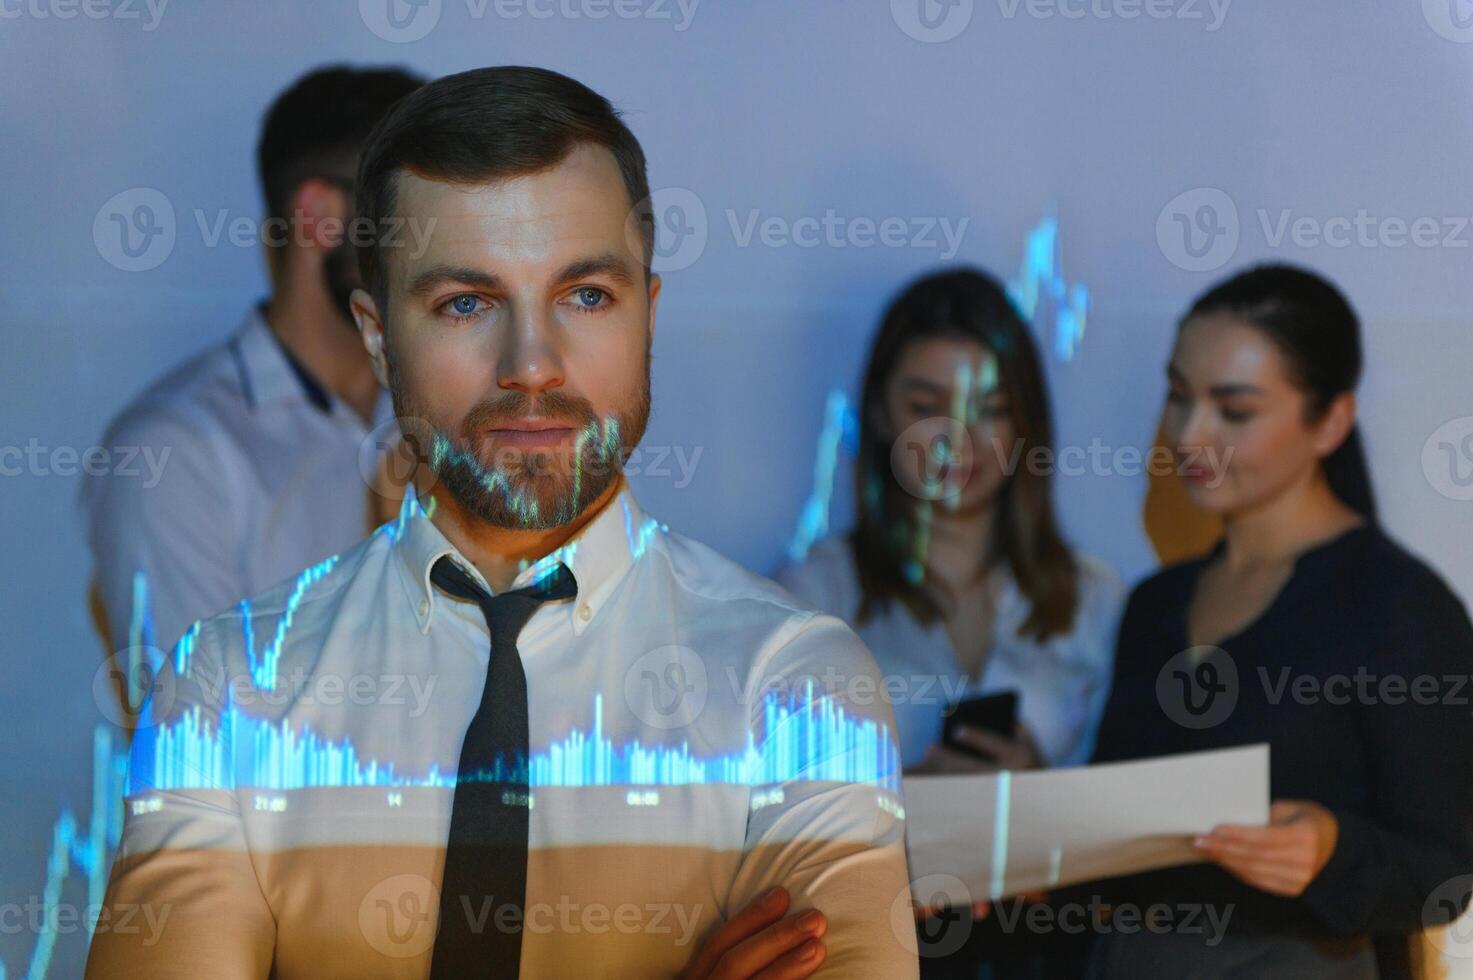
x=996 y=713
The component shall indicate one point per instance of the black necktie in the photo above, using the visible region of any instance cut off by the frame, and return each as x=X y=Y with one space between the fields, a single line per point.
x=484 y=888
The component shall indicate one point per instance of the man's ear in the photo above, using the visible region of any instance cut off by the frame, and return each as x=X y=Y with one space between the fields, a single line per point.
x=1334 y=428
x=323 y=211
x=654 y=300
x=371 y=329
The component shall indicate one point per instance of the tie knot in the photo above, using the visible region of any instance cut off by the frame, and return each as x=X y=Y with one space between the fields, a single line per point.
x=509 y=609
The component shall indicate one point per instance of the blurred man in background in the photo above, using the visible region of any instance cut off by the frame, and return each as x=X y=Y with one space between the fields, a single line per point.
x=263 y=433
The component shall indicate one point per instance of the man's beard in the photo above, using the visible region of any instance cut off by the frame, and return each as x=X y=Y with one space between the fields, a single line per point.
x=526 y=489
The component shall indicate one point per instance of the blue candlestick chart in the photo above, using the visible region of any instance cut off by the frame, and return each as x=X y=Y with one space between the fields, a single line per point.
x=806 y=737
x=810 y=739
x=82 y=849
x=1055 y=307
x=807 y=740
x=803 y=736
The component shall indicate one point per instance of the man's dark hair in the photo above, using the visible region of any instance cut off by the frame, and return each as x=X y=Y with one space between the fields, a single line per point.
x=484 y=125
x=316 y=127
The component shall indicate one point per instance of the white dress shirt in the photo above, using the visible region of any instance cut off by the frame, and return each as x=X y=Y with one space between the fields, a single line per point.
x=1062 y=683
x=261 y=479
x=290 y=792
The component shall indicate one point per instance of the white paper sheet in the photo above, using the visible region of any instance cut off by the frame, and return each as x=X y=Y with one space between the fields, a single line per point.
x=974 y=837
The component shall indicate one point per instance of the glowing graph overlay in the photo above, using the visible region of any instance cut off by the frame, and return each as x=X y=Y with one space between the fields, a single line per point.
x=1041 y=289
x=83 y=849
x=840 y=430
x=87 y=849
x=799 y=736
x=806 y=738
x=802 y=735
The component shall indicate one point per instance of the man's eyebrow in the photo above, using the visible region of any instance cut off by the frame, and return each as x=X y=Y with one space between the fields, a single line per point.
x=609 y=265
x=441 y=275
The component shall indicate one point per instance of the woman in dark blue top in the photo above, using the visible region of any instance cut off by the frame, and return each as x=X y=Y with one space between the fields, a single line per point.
x=1307 y=628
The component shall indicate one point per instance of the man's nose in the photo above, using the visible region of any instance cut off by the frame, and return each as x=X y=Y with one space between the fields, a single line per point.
x=530 y=359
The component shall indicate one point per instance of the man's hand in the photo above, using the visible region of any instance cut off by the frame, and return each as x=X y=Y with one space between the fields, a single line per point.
x=759 y=944
x=1281 y=858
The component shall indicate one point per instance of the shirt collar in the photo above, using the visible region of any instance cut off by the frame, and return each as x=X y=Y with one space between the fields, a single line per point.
x=268 y=371
x=598 y=557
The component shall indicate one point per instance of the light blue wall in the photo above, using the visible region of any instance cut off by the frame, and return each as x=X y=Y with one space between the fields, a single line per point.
x=1321 y=107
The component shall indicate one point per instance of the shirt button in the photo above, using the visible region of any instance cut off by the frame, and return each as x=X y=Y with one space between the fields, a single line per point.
x=585 y=613
x=424 y=607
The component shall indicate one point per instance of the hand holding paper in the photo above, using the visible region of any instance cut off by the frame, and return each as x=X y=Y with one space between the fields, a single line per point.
x=987 y=836
x=1282 y=858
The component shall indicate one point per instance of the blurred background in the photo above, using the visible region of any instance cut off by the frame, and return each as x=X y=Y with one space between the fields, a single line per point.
x=1111 y=158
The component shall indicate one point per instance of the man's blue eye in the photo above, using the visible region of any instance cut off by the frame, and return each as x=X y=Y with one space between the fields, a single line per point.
x=590 y=296
x=463 y=305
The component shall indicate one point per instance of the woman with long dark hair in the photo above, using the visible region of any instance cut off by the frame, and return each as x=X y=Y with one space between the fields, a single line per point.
x=956 y=574
x=1308 y=628
x=956 y=569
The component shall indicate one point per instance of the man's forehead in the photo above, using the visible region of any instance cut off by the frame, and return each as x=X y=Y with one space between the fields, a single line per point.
x=578 y=204
x=586 y=180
